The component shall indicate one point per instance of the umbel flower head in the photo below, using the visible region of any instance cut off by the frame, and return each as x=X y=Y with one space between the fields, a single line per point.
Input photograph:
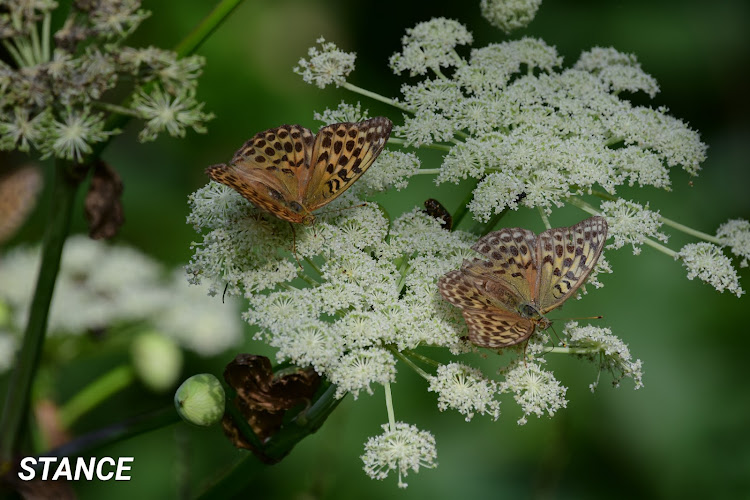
x=54 y=82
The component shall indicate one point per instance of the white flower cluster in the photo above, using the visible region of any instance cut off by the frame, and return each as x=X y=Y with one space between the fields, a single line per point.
x=102 y=286
x=536 y=391
x=521 y=126
x=465 y=389
x=707 y=262
x=600 y=346
x=735 y=234
x=401 y=448
x=509 y=15
x=631 y=223
x=326 y=65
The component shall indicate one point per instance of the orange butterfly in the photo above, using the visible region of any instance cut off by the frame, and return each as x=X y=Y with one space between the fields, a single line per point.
x=288 y=172
x=504 y=299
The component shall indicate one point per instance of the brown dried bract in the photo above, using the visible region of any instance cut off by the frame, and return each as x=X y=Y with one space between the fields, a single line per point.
x=104 y=211
x=264 y=397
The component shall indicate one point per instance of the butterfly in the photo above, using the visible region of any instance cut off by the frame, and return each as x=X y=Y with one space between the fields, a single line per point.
x=504 y=297
x=289 y=172
x=436 y=210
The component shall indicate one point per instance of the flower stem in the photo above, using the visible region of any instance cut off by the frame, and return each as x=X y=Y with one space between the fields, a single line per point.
x=389 y=406
x=427 y=171
x=690 y=231
x=111 y=382
x=209 y=24
x=545 y=219
x=434 y=145
x=409 y=362
x=15 y=409
x=573 y=350
x=463 y=208
x=377 y=97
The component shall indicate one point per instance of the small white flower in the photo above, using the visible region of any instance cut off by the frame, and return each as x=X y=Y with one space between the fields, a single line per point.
x=345 y=112
x=465 y=389
x=631 y=224
x=358 y=369
x=72 y=137
x=402 y=448
x=735 y=234
x=326 y=65
x=537 y=391
x=707 y=262
x=620 y=71
x=430 y=45
x=509 y=15
x=171 y=113
x=606 y=350
x=20 y=132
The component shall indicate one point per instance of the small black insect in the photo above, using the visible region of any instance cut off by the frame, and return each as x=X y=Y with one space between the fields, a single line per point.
x=434 y=209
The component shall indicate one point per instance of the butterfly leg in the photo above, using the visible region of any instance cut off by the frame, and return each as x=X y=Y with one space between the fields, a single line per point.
x=294 y=245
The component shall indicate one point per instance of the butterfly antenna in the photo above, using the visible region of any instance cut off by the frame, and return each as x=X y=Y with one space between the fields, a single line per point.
x=294 y=245
x=584 y=317
x=558 y=337
x=225 y=292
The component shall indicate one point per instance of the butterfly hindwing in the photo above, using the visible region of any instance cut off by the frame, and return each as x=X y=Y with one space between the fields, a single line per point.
x=341 y=154
x=566 y=256
x=496 y=329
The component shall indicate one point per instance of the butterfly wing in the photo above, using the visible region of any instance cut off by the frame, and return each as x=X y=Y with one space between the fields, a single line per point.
x=509 y=273
x=489 y=326
x=341 y=154
x=566 y=257
x=496 y=329
x=267 y=170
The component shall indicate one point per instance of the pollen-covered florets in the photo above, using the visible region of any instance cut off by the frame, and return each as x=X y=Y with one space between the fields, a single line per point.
x=735 y=234
x=707 y=262
x=430 y=45
x=631 y=223
x=606 y=350
x=401 y=448
x=537 y=391
x=509 y=15
x=465 y=389
x=326 y=65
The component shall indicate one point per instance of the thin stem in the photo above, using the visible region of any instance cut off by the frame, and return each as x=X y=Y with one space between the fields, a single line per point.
x=490 y=224
x=209 y=24
x=115 y=108
x=15 y=409
x=463 y=208
x=544 y=217
x=427 y=171
x=403 y=272
x=312 y=264
x=99 y=390
x=660 y=247
x=45 y=36
x=573 y=350
x=389 y=406
x=434 y=145
x=307 y=279
x=91 y=442
x=409 y=362
x=14 y=53
x=690 y=230
x=377 y=97
x=423 y=359
x=36 y=47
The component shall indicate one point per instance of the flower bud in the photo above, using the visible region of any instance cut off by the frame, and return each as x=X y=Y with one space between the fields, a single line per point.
x=200 y=400
x=157 y=360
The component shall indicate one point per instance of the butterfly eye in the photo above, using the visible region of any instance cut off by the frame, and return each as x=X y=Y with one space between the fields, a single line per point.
x=295 y=206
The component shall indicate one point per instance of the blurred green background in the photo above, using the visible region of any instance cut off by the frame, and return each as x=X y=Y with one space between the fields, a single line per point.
x=686 y=434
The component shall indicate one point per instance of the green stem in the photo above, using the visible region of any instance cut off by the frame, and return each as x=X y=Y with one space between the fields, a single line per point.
x=312 y=264
x=423 y=359
x=377 y=97
x=117 y=109
x=45 y=36
x=427 y=171
x=277 y=447
x=15 y=409
x=434 y=145
x=463 y=208
x=94 y=441
x=409 y=362
x=544 y=217
x=690 y=231
x=573 y=350
x=14 y=53
x=389 y=406
x=490 y=224
x=111 y=382
x=209 y=24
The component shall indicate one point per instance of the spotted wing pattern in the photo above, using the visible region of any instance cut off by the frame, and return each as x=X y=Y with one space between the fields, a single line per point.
x=267 y=170
x=341 y=154
x=496 y=329
x=510 y=266
x=566 y=256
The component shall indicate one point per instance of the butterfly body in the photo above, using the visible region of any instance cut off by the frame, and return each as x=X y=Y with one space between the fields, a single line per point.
x=520 y=277
x=289 y=172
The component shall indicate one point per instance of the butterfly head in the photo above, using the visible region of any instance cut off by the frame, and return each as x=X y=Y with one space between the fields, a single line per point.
x=531 y=312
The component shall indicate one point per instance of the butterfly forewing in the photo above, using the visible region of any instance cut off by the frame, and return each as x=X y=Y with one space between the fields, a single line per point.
x=566 y=256
x=341 y=154
x=457 y=289
x=510 y=264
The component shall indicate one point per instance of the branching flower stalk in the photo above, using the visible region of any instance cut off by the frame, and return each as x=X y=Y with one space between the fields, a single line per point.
x=49 y=95
x=517 y=129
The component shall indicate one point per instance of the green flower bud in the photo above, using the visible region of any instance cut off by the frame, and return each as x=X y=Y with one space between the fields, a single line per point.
x=157 y=360
x=200 y=400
